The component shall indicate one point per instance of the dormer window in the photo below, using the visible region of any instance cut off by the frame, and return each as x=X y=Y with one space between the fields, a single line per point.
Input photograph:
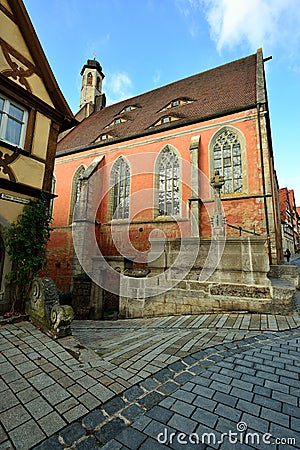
x=177 y=102
x=104 y=137
x=116 y=121
x=128 y=108
x=165 y=119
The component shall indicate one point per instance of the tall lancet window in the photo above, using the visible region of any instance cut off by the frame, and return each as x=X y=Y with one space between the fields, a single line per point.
x=227 y=159
x=120 y=180
x=168 y=173
x=75 y=190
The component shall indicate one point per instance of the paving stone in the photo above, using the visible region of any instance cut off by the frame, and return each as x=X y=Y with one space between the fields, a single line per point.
x=205 y=417
x=51 y=443
x=26 y=435
x=149 y=384
x=226 y=399
x=7 y=400
x=11 y=376
x=189 y=360
x=19 y=385
x=182 y=423
x=222 y=387
x=55 y=394
x=177 y=366
x=185 y=396
x=183 y=408
x=274 y=416
x=64 y=406
x=163 y=375
x=295 y=424
x=112 y=445
x=155 y=429
x=41 y=381
x=72 y=433
x=38 y=408
x=291 y=410
x=131 y=438
x=168 y=387
x=110 y=430
x=93 y=419
x=89 y=401
x=228 y=412
x=242 y=385
x=3 y=435
x=183 y=377
x=101 y=392
x=196 y=370
x=253 y=379
x=160 y=414
x=205 y=403
x=267 y=402
x=114 y=405
x=262 y=390
x=256 y=423
x=75 y=413
x=150 y=400
x=141 y=423
x=51 y=423
x=89 y=443
x=132 y=412
x=152 y=444
x=133 y=393
x=251 y=408
x=14 y=417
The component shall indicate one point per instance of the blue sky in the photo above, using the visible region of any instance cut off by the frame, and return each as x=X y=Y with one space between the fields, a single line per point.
x=144 y=44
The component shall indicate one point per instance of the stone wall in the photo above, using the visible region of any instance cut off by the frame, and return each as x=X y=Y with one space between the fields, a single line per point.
x=226 y=276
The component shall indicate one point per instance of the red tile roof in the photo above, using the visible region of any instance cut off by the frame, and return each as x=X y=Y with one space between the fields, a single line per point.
x=228 y=88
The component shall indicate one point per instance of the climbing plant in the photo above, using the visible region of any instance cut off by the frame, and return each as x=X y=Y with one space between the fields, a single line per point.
x=26 y=241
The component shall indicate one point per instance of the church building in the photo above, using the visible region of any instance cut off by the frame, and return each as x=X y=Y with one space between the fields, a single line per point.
x=153 y=157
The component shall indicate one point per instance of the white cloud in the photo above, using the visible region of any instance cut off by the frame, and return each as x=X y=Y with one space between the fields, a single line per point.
x=256 y=23
x=117 y=87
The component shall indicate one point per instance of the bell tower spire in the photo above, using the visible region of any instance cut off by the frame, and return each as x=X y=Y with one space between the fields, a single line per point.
x=91 y=88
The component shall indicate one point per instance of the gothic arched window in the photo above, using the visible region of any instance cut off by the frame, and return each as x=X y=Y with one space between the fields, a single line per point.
x=168 y=182
x=75 y=192
x=227 y=159
x=120 y=182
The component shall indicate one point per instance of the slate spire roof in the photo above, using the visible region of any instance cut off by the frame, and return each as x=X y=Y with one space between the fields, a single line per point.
x=225 y=89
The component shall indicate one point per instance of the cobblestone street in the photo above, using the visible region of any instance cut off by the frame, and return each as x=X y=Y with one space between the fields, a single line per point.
x=130 y=384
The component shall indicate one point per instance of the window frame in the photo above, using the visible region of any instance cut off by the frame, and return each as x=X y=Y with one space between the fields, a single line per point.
x=242 y=155
x=5 y=115
x=123 y=212
x=171 y=150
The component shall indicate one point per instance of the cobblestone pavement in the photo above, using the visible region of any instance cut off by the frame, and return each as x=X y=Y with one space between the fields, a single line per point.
x=130 y=384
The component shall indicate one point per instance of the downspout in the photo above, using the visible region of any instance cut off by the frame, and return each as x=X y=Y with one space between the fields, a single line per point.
x=264 y=184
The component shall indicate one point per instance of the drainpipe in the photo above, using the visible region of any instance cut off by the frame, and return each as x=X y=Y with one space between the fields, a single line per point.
x=264 y=183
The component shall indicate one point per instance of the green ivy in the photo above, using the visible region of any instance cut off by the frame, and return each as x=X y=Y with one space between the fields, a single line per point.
x=26 y=241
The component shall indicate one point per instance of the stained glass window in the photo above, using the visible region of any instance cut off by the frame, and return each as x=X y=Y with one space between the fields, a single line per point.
x=227 y=159
x=168 y=183
x=121 y=189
